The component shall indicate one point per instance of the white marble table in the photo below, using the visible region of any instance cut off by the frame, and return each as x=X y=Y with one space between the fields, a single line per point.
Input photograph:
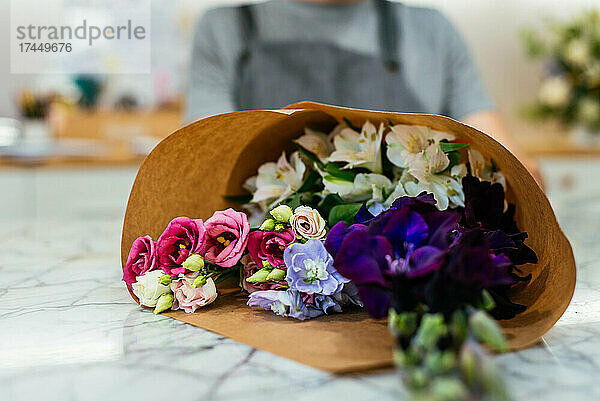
x=69 y=331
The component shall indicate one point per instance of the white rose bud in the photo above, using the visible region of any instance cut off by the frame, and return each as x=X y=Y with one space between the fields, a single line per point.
x=308 y=223
x=555 y=92
x=148 y=289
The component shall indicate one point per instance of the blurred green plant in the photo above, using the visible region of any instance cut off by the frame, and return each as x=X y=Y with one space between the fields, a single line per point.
x=570 y=89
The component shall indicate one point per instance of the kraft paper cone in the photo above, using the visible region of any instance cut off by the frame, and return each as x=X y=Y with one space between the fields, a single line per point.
x=188 y=173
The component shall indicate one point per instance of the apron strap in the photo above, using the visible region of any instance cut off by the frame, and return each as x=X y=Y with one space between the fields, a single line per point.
x=247 y=30
x=388 y=34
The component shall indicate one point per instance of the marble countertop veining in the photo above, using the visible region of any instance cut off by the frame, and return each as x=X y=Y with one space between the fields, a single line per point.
x=69 y=331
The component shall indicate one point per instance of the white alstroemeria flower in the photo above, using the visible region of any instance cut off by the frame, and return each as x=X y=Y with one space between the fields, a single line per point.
x=481 y=170
x=277 y=181
x=317 y=142
x=406 y=141
x=398 y=192
x=365 y=187
x=447 y=191
x=426 y=168
x=428 y=162
x=359 y=149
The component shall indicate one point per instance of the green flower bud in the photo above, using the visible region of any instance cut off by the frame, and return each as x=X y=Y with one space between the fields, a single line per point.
x=448 y=389
x=268 y=225
x=432 y=328
x=259 y=277
x=165 y=279
x=266 y=264
x=279 y=227
x=282 y=213
x=417 y=378
x=439 y=362
x=194 y=263
x=468 y=363
x=459 y=326
x=277 y=275
x=165 y=301
x=199 y=281
x=487 y=331
x=402 y=324
x=487 y=302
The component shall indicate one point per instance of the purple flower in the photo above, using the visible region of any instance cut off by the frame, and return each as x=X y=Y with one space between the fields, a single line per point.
x=310 y=269
x=182 y=238
x=142 y=258
x=293 y=303
x=410 y=239
x=289 y=303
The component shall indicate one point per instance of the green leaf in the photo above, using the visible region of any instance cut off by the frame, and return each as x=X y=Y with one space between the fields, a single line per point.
x=350 y=125
x=328 y=203
x=344 y=213
x=293 y=201
x=448 y=147
x=312 y=183
x=238 y=198
x=335 y=169
x=310 y=155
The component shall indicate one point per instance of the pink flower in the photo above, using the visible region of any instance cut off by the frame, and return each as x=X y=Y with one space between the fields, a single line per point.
x=249 y=268
x=226 y=237
x=270 y=246
x=182 y=238
x=142 y=258
x=188 y=298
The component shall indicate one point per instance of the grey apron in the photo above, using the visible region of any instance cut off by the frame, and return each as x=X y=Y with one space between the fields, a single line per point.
x=274 y=74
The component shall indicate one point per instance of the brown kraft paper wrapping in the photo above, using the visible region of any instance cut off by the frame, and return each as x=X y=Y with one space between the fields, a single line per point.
x=188 y=173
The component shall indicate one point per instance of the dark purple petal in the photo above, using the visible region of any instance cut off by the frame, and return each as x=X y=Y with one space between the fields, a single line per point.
x=363 y=216
x=377 y=300
x=441 y=224
x=361 y=258
x=425 y=260
x=406 y=228
x=337 y=234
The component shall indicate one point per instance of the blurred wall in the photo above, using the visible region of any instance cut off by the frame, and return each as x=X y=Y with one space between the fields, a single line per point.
x=489 y=26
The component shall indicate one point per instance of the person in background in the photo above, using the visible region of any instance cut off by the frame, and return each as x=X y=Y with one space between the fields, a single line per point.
x=369 y=54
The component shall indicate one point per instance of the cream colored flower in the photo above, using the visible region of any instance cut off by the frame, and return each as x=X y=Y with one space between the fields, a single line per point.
x=406 y=141
x=483 y=171
x=277 y=181
x=308 y=223
x=148 y=289
x=364 y=187
x=428 y=169
x=359 y=149
x=316 y=142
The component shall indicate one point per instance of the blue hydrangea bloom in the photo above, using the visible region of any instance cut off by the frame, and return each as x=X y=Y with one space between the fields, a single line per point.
x=310 y=269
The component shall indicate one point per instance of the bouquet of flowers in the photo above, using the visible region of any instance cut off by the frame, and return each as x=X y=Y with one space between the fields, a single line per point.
x=400 y=219
x=570 y=91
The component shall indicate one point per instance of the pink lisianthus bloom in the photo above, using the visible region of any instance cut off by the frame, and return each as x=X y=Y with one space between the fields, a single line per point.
x=269 y=246
x=182 y=238
x=226 y=237
x=142 y=258
x=249 y=268
x=188 y=298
